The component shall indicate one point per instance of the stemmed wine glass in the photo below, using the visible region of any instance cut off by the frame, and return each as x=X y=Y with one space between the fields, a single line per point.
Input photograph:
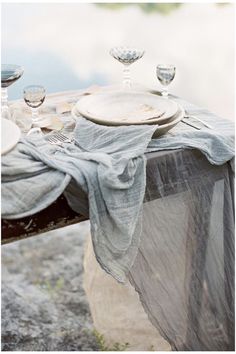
x=34 y=96
x=126 y=56
x=9 y=74
x=165 y=74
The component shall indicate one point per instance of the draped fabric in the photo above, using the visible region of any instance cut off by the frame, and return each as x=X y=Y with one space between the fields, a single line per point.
x=177 y=249
x=184 y=270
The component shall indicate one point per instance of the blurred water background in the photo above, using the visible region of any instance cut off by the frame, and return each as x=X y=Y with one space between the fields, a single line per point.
x=66 y=46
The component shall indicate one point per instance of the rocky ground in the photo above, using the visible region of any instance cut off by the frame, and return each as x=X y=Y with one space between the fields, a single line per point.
x=44 y=306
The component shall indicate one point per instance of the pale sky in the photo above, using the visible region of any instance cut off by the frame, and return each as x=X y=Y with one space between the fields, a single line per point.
x=67 y=46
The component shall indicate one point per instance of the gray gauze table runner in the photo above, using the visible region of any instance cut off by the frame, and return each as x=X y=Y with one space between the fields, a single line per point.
x=175 y=247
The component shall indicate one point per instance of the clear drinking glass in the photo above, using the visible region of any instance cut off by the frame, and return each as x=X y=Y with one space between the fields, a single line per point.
x=34 y=95
x=165 y=74
x=126 y=56
x=9 y=74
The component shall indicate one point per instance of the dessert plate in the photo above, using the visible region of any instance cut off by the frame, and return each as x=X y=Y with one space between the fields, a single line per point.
x=10 y=135
x=126 y=108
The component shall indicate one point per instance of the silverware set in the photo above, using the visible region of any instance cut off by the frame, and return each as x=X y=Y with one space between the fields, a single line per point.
x=59 y=139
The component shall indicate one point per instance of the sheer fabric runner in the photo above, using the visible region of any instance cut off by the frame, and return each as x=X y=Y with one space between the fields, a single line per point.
x=184 y=270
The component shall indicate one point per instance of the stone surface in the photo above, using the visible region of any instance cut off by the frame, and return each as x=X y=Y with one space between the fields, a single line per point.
x=44 y=307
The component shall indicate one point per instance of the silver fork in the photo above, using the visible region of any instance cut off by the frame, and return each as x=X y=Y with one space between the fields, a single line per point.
x=200 y=120
x=58 y=139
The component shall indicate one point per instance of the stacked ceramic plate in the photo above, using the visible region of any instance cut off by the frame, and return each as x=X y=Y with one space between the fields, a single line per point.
x=10 y=135
x=130 y=108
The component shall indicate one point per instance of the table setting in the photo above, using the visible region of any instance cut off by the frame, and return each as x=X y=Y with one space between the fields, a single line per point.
x=165 y=116
x=157 y=172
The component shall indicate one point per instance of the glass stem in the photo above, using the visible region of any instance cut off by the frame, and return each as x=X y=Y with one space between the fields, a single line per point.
x=126 y=77
x=165 y=91
x=4 y=101
x=35 y=115
x=4 y=97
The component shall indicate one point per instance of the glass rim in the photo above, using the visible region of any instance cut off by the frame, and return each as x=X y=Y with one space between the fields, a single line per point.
x=28 y=87
x=166 y=66
x=13 y=65
x=126 y=48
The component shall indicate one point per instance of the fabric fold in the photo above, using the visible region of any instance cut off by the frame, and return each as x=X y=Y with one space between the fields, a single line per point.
x=109 y=165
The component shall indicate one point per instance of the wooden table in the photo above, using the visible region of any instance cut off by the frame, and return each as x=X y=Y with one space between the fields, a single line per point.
x=57 y=215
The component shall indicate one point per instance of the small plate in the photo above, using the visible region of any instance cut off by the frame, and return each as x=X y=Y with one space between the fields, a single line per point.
x=126 y=108
x=10 y=135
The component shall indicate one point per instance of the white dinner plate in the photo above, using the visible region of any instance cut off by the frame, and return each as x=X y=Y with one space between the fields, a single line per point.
x=10 y=135
x=125 y=108
x=160 y=130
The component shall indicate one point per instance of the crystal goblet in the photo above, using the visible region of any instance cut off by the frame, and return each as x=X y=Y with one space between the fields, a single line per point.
x=165 y=74
x=9 y=74
x=126 y=56
x=34 y=96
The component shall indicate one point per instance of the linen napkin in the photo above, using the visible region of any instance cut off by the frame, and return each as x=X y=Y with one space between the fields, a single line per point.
x=22 y=117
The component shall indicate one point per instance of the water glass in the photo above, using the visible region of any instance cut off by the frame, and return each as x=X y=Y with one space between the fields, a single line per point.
x=34 y=96
x=165 y=74
x=9 y=74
